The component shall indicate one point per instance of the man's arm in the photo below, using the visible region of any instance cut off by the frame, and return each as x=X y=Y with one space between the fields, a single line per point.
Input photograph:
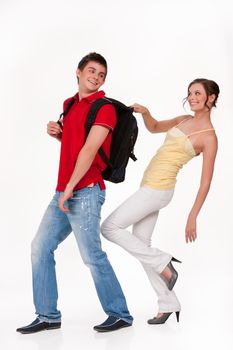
x=95 y=139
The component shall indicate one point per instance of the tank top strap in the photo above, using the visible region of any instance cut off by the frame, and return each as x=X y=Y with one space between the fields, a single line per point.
x=182 y=121
x=200 y=131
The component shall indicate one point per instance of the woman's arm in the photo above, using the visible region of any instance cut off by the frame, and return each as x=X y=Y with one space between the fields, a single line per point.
x=154 y=125
x=209 y=154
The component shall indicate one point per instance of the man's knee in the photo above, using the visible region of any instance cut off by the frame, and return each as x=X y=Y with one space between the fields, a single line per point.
x=42 y=249
x=36 y=251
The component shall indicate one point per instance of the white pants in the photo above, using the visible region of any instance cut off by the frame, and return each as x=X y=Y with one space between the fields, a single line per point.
x=141 y=210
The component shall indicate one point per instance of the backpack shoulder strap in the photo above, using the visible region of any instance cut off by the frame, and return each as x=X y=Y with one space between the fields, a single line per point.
x=96 y=105
x=63 y=114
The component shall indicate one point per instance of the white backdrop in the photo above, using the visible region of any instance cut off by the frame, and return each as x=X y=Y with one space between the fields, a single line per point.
x=154 y=48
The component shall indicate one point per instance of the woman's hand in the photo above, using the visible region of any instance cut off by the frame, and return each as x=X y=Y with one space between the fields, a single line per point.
x=191 y=229
x=139 y=108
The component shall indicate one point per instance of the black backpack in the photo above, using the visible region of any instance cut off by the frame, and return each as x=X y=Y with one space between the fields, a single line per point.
x=123 y=138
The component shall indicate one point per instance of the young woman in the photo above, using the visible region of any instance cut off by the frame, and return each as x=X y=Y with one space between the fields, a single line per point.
x=187 y=136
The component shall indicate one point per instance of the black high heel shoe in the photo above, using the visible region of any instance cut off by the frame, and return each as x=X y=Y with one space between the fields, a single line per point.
x=171 y=282
x=176 y=260
x=162 y=319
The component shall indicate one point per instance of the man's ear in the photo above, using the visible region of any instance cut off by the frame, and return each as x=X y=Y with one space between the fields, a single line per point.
x=78 y=71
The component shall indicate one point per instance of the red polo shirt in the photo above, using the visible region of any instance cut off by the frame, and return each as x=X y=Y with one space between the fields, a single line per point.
x=73 y=138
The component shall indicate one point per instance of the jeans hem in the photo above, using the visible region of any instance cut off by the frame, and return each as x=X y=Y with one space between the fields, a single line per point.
x=126 y=319
x=49 y=320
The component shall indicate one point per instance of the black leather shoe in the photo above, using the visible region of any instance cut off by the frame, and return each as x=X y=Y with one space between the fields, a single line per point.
x=111 y=324
x=37 y=326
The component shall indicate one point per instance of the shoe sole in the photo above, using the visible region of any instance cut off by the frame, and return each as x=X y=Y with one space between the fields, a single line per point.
x=39 y=330
x=111 y=330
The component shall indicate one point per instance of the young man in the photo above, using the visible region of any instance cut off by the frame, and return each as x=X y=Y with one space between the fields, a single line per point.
x=76 y=206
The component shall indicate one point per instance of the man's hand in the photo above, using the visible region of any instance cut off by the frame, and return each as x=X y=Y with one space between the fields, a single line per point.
x=54 y=130
x=67 y=194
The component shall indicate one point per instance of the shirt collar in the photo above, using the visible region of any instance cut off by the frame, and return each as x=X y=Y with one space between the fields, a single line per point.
x=92 y=97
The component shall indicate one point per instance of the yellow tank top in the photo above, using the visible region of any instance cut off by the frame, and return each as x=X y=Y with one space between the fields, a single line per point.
x=163 y=168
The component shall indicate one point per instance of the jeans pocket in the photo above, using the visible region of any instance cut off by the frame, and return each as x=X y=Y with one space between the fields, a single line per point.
x=101 y=199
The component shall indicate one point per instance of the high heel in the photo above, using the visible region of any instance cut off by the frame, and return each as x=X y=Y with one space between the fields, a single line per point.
x=162 y=319
x=174 y=274
x=176 y=260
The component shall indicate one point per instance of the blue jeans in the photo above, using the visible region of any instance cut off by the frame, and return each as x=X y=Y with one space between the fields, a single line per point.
x=84 y=220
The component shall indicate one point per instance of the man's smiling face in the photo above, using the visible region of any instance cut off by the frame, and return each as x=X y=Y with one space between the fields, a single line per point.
x=92 y=77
